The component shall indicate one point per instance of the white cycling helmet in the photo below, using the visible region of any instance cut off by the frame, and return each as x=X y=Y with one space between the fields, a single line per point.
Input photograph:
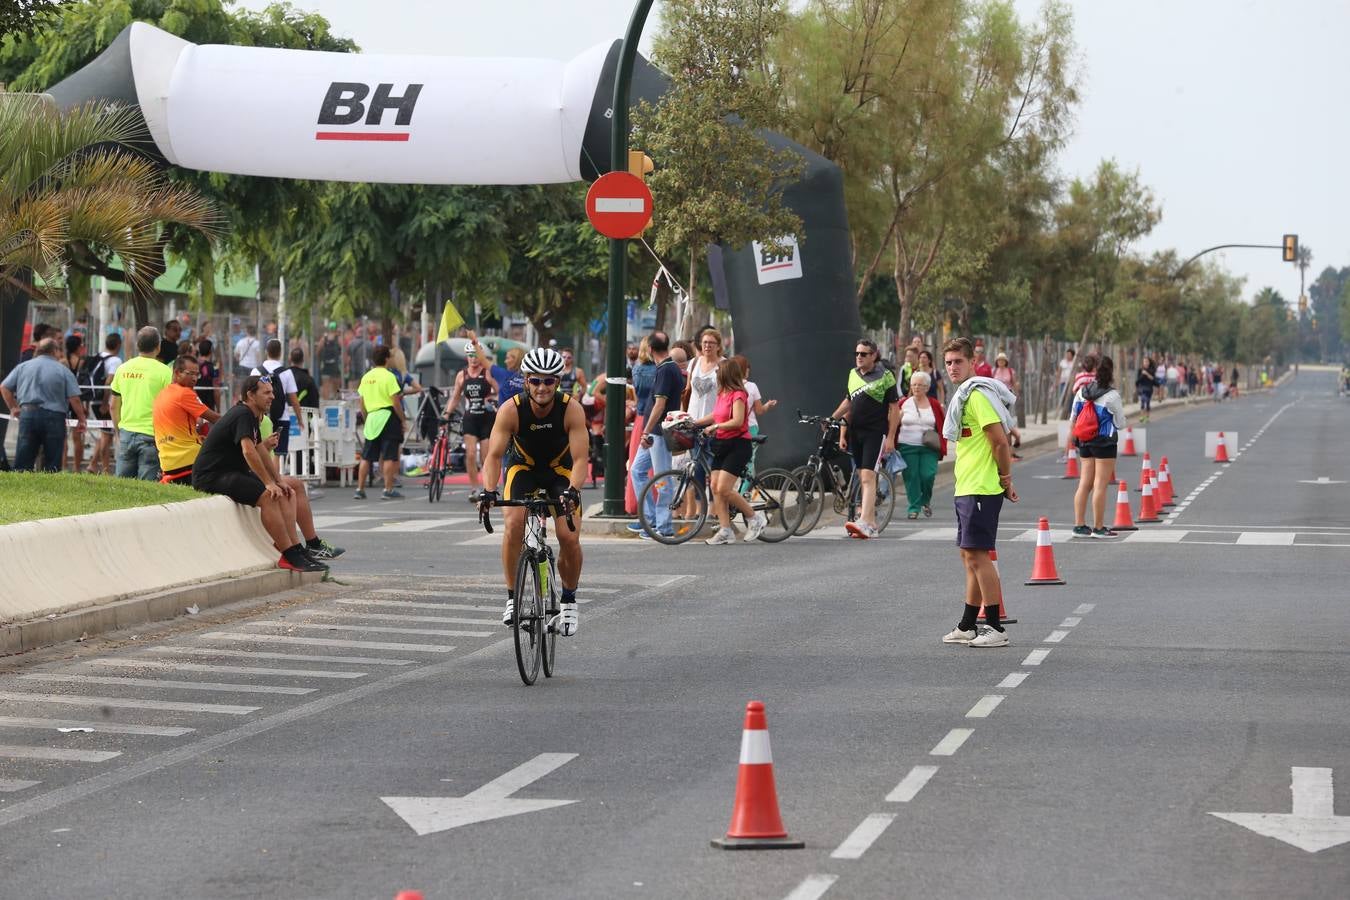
x=542 y=361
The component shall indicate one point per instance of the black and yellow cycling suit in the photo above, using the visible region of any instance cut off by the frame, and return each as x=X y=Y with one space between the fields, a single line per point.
x=540 y=456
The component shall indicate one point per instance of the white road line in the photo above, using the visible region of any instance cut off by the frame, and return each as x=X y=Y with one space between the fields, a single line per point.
x=230 y=670
x=264 y=654
x=105 y=727
x=856 y=844
x=417 y=604
x=1155 y=537
x=381 y=629
x=474 y=595
x=334 y=521
x=244 y=637
x=911 y=784
x=1035 y=657
x=495 y=587
x=396 y=617
x=1265 y=539
x=1084 y=608
x=425 y=525
x=1055 y=637
x=1013 y=679
x=215 y=687
x=1071 y=622
x=13 y=751
x=952 y=742
x=122 y=703
x=931 y=534
x=10 y=785
x=813 y=887
x=984 y=706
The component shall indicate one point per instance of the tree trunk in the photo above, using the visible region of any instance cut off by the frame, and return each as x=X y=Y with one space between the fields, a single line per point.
x=692 y=307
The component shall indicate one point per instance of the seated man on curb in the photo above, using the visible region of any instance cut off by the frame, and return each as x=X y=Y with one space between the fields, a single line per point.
x=176 y=413
x=232 y=463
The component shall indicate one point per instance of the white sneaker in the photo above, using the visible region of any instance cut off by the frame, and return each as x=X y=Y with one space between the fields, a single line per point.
x=565 y=622
x=509 y=615
x=756 y=527
x=723 y=536
x=990 y=637
x=957 y=636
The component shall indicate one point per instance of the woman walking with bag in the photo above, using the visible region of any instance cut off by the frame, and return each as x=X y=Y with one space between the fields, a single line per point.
x=921 y=443
x=1098 y=401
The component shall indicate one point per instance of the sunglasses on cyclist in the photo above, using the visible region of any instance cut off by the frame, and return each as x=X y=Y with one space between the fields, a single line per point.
x=542 y=382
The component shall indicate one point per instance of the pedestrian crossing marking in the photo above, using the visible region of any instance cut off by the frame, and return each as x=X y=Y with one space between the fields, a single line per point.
x=1167 y=535
x=106 y=727
x=123 y=703
x=224 y=652
x=427 y=525
x=214 y=687
x=231 y=670
x=10 y=785
x=396 y=617
x=245 y=637
x=415 y=604
x=441 y=632
x=1155 y=537
x=1266 y=539
x=14 y=751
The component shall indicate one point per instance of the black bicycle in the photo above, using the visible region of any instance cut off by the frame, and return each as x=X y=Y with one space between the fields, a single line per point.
x=831 y=469
x=686 y=492
x=536 y=602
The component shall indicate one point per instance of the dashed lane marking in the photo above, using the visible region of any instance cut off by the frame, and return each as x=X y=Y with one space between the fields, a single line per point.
x=1035 y=657
x=857 y=843
x=10 y=785
x=226 y=653
x=984 y=706
x=952 y=742
x=813 y=887
x=105 y=727
x=1084 y=608
x=911 y=784
x=1055 y=637
x=121 y=703
x=1013 y=679
x=245 y=637
x=214 y=687
x=1071 y=622
x=226 y=670
x=14 y=751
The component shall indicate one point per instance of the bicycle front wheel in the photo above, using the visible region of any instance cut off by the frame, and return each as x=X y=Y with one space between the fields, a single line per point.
x=675 y=492
x=777 y=494
x=885 y=499
x=529 y=626
x=813 y=498
x=549 y=571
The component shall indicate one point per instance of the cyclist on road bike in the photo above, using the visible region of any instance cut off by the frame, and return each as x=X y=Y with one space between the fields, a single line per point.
x=539 y=433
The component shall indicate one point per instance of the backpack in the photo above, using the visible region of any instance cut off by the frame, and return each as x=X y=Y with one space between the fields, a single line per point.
x=91 y=375
x=1085 y=423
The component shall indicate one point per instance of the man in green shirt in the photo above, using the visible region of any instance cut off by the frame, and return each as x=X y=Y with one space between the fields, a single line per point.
x=135 y=385
x=382 y=405
x=983 y=478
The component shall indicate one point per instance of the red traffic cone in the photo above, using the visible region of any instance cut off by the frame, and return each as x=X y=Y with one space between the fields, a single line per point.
x=1164 y=492
x=755 y=822
x=1043 y=566
x=1221 y=451
x=1143 y=470
x=1128 y=449
x=1123 y=521
x=408 y=895
x=1002 y=610
x=1171 y=485
x=1071 y=464
x=1148 y=509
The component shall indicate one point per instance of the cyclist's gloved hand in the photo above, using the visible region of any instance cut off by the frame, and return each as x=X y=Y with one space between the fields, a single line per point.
x=573 y=498
x=485 y=501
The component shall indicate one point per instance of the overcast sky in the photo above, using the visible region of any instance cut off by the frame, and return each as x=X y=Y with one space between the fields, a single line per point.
x=1233 y=111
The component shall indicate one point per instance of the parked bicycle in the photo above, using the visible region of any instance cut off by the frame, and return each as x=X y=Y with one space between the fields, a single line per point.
x=536 y=603
x=830 y=469
x=685 y=492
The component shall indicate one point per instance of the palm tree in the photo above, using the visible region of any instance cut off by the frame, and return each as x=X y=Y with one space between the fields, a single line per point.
x=74 y=179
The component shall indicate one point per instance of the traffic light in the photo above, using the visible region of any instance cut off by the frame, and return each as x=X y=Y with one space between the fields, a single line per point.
x=1291 y=248
x=641 y=165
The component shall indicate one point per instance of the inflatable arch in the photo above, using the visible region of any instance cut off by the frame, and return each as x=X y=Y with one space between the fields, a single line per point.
x=447 y=120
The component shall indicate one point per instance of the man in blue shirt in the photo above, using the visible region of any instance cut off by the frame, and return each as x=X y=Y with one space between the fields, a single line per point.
x=653 y=455
x=37 y=393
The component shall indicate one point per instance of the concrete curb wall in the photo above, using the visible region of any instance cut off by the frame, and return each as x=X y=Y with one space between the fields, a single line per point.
x=57 y=566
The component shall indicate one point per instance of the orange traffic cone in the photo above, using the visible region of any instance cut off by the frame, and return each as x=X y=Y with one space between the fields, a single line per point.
x=408 y=895
x=1123 y=521
x=1164 y=492
x=1128 y=449
x=1002 y=610
x=1221 y=451
x=1043 y=565
x=1165 y=466
x=1071 y=464
x=1144 y=467
x=755 y=822
x=1148 y=510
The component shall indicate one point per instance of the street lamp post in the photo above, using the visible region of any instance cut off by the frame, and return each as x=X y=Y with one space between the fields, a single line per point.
x=615 y=379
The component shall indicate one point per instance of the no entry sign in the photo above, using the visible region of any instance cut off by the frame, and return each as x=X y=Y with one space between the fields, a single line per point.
x=619 y=205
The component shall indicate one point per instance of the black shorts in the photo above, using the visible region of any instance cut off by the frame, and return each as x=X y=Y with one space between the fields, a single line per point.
x=385 y=447
x=478 y=425
x=241 y=487
x=865 y=447
x=330 y=372
x=1094 y=450
x=523 y=481
x=977 y=521
x=731 y=454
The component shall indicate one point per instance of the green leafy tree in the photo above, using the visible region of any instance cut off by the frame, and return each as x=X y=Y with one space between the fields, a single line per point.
x=21 y=17
x=1325 y=295
x=716 y=179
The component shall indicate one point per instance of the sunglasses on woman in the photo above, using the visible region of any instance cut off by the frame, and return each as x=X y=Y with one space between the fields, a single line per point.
x=542 y=382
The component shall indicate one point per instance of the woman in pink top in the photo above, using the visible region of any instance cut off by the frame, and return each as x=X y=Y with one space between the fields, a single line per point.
x=728 y=424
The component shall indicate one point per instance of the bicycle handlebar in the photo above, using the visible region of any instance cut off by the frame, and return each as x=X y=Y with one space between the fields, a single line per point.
x=817 y=420
x=532 y=504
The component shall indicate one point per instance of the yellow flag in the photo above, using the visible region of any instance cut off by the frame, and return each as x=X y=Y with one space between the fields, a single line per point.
x=450 y=320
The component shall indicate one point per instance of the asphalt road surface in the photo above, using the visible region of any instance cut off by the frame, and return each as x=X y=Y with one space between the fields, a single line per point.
x=323 y=746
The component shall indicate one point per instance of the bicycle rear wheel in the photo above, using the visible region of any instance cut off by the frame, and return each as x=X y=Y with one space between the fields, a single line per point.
x=551 y=609
x=885 y=499
x=672 y=490
x=813 y=498
x=528 y=629
x=777 y=494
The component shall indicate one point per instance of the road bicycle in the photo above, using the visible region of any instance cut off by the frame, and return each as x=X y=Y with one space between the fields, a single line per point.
x=825 y=470
x=536 y=602
x=438 y=461
x=685 y=492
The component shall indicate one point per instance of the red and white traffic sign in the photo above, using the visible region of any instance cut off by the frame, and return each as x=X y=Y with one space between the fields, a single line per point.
x=619 y=205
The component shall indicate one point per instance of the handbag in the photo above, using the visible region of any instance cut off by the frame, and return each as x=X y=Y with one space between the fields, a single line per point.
x=932 y=440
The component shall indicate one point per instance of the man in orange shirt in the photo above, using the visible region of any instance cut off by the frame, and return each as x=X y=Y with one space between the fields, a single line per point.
x=177 y=410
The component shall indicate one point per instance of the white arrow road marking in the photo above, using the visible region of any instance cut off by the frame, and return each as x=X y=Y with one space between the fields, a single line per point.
x=1312 y=825
x=1321 y=479
x=428 y=815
